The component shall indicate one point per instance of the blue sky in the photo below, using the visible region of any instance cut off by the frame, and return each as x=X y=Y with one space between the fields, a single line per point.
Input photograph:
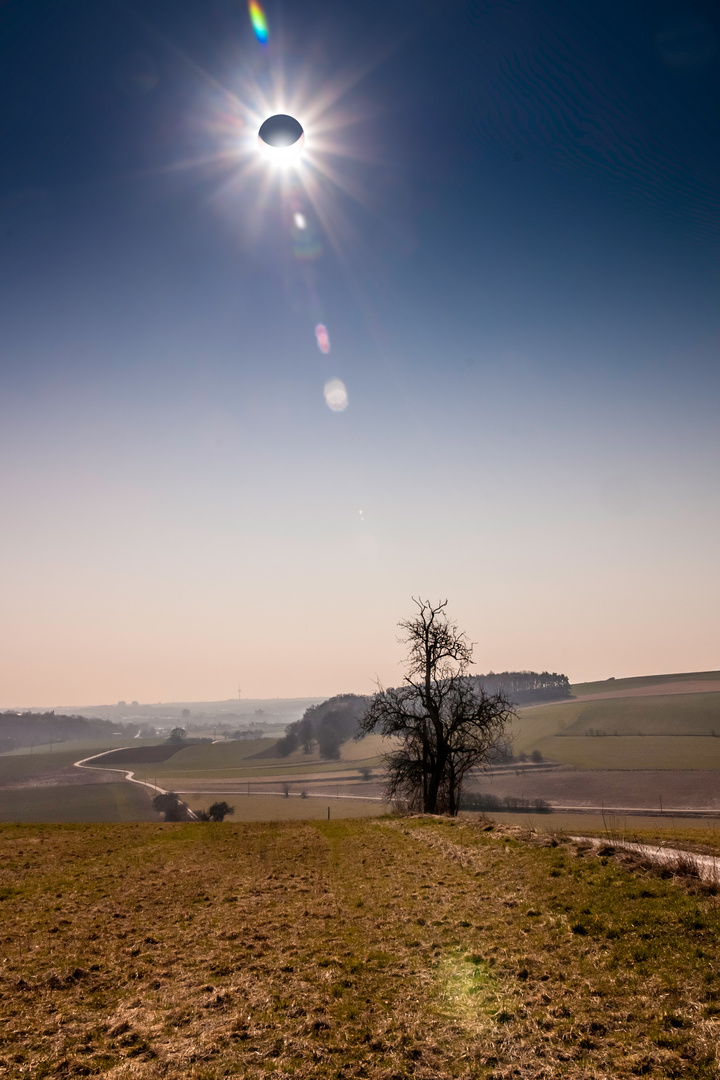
x=512 y=239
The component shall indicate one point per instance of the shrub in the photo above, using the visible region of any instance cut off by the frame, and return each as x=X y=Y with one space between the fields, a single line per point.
x=171 y=805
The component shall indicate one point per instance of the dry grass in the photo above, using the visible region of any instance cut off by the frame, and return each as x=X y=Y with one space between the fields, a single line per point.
x=388 y=949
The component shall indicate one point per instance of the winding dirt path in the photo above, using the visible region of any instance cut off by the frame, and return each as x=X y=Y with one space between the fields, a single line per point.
x=128 y=775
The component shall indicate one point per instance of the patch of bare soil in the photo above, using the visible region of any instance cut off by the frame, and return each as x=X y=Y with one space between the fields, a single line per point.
x=678 y=789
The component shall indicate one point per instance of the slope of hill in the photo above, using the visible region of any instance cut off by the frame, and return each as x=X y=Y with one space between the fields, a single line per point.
x=644 y=723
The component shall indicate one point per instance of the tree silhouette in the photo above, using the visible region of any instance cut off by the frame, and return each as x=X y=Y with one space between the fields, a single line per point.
x=445 y=722
x=171 y=805
x=220 y=810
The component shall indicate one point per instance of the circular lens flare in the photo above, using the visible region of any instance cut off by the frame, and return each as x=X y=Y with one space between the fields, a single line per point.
x=336 y=396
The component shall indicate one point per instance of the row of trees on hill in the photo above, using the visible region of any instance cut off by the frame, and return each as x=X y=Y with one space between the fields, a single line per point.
x=328 y=725
x=526 y=687
x=18 y=729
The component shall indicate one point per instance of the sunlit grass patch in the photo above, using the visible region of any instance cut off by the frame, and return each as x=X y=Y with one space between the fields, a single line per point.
x=468 y=991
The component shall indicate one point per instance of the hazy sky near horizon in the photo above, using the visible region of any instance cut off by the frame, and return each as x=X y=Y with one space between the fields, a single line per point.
x=511 y=234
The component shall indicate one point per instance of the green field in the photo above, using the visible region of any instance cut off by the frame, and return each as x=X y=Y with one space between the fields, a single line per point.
x=76 y=802
x=242 y=760
x=666 y=714
x=392 y=950
x=676 y=732
x=76 y=746
x=634 y=752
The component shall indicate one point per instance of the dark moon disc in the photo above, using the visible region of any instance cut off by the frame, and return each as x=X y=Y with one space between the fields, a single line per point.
x=280 y=131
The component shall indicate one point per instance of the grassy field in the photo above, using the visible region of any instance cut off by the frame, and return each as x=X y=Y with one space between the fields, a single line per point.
x=634 y=752
x=677 y=714
x=196 y=757
x=79 y=747
x=676 y=732
x=18 y=768
x=241 y=760
x=386 y=950
x=76 y=802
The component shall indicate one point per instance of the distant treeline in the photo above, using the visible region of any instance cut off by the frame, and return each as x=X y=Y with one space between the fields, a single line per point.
x=525 y=687
x=329 y=725
x=29 y=728
x=333 y=722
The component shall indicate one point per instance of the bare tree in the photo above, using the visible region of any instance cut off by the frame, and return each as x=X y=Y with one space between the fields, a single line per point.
x=445 y=723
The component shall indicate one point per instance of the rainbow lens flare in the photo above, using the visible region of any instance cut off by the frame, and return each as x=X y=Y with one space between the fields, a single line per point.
x=323 y=338
x=258 y=20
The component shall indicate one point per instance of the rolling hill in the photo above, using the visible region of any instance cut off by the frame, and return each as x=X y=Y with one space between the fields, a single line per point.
x=652 y=722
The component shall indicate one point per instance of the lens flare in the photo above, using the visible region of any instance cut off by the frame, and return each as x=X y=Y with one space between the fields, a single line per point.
x=299 y=220
x=336 y=397
x=323 y=339
x=258 y=20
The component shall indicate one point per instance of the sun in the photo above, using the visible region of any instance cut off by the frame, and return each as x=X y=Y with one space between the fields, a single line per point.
x=280 y=142
x=281 y=139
